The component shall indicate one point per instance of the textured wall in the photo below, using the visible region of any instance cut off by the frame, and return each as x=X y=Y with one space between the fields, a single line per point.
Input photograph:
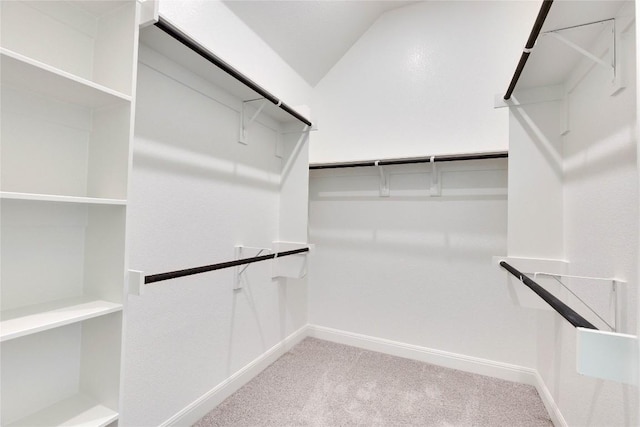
x=195 y=194
x=575 y=197
x=414 y=268
x=422 y=81
x=601 y=237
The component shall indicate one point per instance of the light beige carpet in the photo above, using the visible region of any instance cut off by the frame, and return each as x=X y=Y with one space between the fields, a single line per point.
x=319 y=383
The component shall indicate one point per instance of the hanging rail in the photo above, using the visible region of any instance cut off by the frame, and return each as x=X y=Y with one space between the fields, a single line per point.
x=564 y=310
x=197 y=270
x=533 y=36
x=180 y=36
x=411 y=160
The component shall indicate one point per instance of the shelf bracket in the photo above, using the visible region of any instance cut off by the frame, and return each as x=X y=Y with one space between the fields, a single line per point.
x=436 y=188
x=239 y=253
x=614 y=321
x=244 y=123
x=610 y=66
x=384 y=181
x=292 y=267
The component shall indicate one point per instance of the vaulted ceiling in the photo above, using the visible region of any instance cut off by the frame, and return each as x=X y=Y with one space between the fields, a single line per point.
x=311 y=35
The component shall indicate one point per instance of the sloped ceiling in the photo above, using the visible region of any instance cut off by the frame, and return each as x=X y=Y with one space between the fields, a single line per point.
x=311 y=35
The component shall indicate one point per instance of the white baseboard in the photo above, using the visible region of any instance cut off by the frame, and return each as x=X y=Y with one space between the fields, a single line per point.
x=553 y=409
x=208 y=401
x=446 y=359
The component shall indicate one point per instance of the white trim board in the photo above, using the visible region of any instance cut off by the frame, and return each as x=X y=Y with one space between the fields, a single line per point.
x=547 y=399
x=446 y=359
x=208 y=401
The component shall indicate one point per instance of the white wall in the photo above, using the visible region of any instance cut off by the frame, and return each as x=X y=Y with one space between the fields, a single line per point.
x=535 y=181
x=422 y=81
x=575 y=198
x=414 y=268
x=195 y=194
x=600 y=234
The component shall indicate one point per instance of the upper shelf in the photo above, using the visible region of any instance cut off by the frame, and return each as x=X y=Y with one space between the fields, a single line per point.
x=174 y=44
x=551 y=61
x=28 y=74
x=10 y=195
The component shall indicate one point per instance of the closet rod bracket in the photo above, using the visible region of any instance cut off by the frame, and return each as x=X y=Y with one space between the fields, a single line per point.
x=608 y=65
x=435 y=188
x=240 y=252
x=244 y=123
x=384 y=180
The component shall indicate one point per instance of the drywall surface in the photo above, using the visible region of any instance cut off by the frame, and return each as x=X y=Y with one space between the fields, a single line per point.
x=600 y=237
x=213 y=25
x=421 y=81
x=535 y=181
x=415 y=268
x=575 y=197
x=195 y=194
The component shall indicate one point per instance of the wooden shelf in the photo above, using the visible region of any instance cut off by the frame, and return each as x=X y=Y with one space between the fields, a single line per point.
x=19 y=322
x=25 y=73
x=9 y=195
x=78 y=410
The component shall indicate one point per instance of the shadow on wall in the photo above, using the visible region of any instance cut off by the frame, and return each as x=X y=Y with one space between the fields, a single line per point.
x=193 y=134
x=527 y=118
x=614 y=151
x=169 y=159
x=409 y=221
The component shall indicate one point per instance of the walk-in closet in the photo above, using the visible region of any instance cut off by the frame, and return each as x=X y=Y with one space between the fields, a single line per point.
x=319 y=213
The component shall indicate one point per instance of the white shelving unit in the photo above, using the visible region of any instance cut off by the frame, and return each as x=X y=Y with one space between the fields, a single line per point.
x=64 y=199
x=68 y=70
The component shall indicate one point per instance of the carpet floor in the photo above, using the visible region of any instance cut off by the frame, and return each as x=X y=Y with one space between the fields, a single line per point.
x=319 y=383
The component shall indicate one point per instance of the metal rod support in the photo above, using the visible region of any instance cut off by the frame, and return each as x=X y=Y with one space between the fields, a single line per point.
x=206 y=268
x=180 y=36
x=407 y=161
x=533 y=36
x=564 y=310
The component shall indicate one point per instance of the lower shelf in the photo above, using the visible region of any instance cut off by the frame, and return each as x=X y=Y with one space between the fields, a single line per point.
x=41 y=317
x=78 y=410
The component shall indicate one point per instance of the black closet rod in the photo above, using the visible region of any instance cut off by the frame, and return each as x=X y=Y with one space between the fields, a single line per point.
x=533 y=36
x=451 y=158
x=174 y=32
x=564 y=310
x=197 y=270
